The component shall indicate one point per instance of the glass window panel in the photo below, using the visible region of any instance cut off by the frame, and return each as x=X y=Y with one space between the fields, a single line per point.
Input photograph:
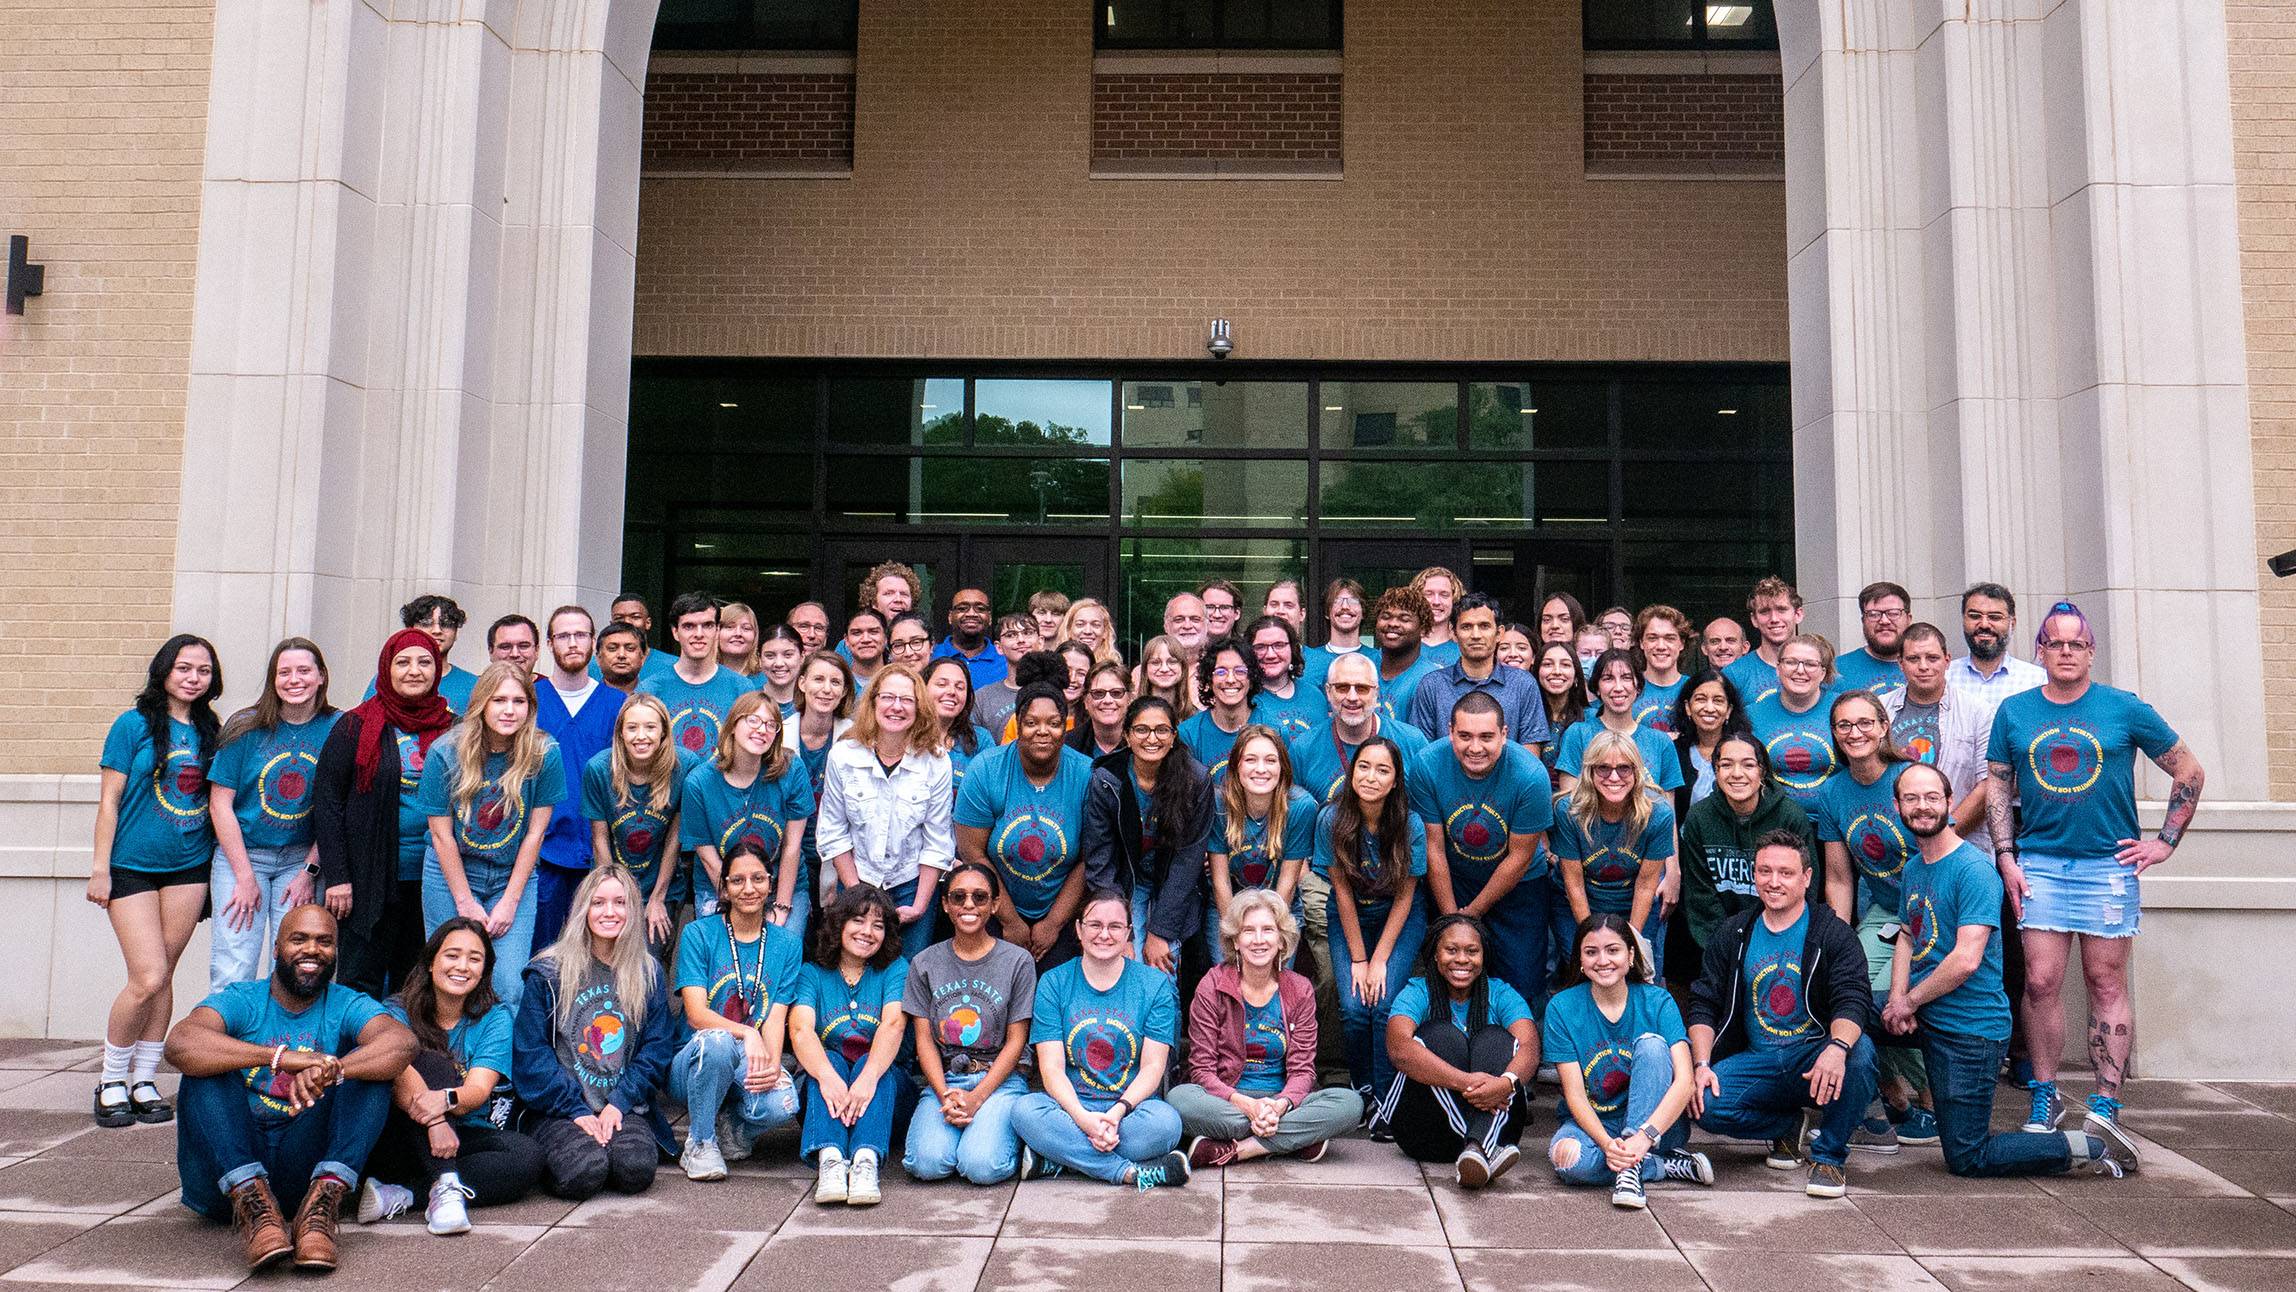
x=1444 y=495
x=1687 y=417
x=1541 y=415
x=1701 y=578
x=1012 y=583
x=897 y=410
x=766 y=487
x=1640 y=23
x=1215 y=494
x=1378 y=416
x=684 y=414
x=969 y=491
x=1722 y=497
x=1037 y=413
x=1303 y=24
x=756 y=24
x=1156 y=568
x=1215 y=414
x=1749 y=24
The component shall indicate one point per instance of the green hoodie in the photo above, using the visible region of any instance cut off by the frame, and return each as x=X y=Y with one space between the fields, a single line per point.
x=1718 y=855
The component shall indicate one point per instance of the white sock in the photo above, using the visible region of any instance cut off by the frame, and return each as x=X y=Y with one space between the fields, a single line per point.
x=147 y=1057
x=117 y=1060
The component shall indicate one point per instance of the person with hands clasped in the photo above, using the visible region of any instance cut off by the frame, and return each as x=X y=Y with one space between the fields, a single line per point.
x=737 y=976
x=1373 y=850
x=971 y=998
x=1778 y=1022
x=1464 y=1049
x=1147 y=826
x=845 y=1028
x=1021 y=809
x=631 y=794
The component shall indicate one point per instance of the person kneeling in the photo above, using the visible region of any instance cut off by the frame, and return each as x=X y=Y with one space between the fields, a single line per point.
x=1464 y=1049
x=1778 y=1023
x=845 y=1028
x=737 y=975
x=593 y=1039
x=1251 y=1048
x=1620 y=1051
x=446 y=1132
x=289 y=1080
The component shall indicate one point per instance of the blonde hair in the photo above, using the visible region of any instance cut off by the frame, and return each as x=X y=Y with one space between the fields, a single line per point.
x=1820 y=643
x=924 y=734
x=1258 y=899
x=528 y=745
x=1183 y=696
x=1586 y=802
x=776 y=758
x=633 y=965
x=746 y=662
x=1105 y=652
x=659 y=773
x=1233 y=794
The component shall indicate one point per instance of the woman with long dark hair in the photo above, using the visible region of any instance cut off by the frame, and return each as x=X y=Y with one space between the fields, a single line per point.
x=845 y=1028
x=950 y=685
x=153 y=853
x=1372 y=848
x=367 y=827
x=1147 y=819
x=1708 y=709
x=1562 y=690
x=448 y=1136
x=736 y=976
x=259 y=795
x=1464 y=1050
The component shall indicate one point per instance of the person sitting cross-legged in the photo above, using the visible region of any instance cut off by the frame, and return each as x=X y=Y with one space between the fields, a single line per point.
x=1464 y=1049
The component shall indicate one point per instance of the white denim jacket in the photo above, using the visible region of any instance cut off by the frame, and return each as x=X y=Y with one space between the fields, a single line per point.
x=892 y=822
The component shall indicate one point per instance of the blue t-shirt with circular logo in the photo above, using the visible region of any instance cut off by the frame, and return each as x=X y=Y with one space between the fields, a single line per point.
x=1104 y=1034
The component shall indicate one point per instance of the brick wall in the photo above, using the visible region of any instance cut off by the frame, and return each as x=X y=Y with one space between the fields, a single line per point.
x=734 y=120
x=2263 y=50
x=1638 y=120
x=1216 y=116
x=103 y=121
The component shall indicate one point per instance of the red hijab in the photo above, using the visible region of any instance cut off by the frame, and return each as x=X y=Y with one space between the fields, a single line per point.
x=422 y=716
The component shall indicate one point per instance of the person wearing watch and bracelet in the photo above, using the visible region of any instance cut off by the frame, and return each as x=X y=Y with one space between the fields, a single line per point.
x=1623 y=1058
x=1103 y=1027
x=259 y=799
x=1464 y=1049
x=737 y=975
x=1778 y=1023
x=1251 y=1047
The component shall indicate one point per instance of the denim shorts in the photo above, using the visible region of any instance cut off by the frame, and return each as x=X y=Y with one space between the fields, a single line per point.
x=2095 y=896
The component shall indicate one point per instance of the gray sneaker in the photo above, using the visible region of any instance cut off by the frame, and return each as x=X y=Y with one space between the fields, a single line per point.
x=734 y=1138
x=1875 y=1134
x=2111 y=1151
x=1827 y=1181
x=702 y=1160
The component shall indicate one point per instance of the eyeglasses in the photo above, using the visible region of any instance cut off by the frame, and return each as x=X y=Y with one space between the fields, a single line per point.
x=570 y=638
x=1097 y=928
x=1883 y=616
x=898 y=701
x=2065 y=644
x=1226 y=671
x=1611 y=772
x=1858 y=724
x=1152 y=733
x=1106 y=693
x=756 y=720
x=1931 y=799
x=968 y=898
x=1799 y=665
x=1270 y=648
x=912 y=643
x=1350 y=688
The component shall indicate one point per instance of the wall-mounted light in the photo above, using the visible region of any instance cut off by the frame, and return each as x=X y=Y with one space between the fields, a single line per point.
x=1222 y=342
x=24 y=277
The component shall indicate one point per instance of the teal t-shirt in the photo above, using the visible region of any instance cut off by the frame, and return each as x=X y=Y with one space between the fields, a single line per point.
x=330 y=1024
x=742 y=981
x=637 y=832
x=1576 y=1032
x=1255 y=865
x=1320 y=758
x=697 y=712
x=1859 y=670
x=1396 y=693
x=1264 y=1044
x=1505 y=1005
x=1775 y=1013
x=1659 y=760
x=713 y=813
x=1104 y=1034
x=1941 y=897
x=489 y=829
x=1032 y=832
x=1294 y=717
x=1755 y=677
x=163 y=821
x=1208 y=742
x=1654 y=708
x=1801 y=745
x=270 y=775
x=414 y=824
x=959 y=760
x=1480 y=815
x=1414 y=825
x=2075 y=767
x=847 y=1016
x=1864 y=820
x=1610 y=861
x=482 y=1042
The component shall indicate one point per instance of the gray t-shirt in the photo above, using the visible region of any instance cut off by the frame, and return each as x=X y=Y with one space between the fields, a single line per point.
x=970 y=1003
x=595 y=1043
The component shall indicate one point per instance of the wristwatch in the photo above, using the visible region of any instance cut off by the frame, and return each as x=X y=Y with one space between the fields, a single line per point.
x=1512 y=1079
x=1647 y=1132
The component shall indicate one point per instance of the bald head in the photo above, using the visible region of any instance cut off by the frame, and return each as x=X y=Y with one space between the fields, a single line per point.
x=1352 y=688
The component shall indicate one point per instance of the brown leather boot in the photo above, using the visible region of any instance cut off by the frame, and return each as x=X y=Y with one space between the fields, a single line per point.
x=262 y=1230
x=315 y=1223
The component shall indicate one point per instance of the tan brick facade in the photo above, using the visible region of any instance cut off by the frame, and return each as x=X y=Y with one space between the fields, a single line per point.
x=1245 y=116
x=734 y=120
x=2264 y=159
x=1663 y=120
x=103 y=112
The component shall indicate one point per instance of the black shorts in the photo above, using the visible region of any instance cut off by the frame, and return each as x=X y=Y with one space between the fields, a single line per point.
x=127 y=883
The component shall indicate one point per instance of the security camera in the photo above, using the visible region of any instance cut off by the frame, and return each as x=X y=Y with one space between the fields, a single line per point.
x=2284 y=564
x=1222 y=343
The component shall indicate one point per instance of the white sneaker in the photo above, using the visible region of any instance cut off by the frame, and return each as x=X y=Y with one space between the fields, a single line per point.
x=380 y=1201
x=702 y=1160
x=447 y=1213
x=861 y=1180
x=833 y=1184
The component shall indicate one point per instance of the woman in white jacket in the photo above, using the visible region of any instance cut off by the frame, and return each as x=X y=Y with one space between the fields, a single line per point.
x=886 y=802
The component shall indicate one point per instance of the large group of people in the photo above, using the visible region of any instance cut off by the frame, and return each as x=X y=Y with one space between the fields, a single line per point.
x=993 y=899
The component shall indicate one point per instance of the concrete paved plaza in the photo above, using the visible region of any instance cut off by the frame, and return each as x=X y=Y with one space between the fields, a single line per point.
x=86 y=1207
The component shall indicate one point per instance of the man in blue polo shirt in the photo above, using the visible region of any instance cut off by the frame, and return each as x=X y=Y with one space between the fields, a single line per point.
x=1488 y=805
x=968 y=639
x=1475 y=627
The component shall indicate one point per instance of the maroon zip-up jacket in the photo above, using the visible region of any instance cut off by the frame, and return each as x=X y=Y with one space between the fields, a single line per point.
x=1216 y=1033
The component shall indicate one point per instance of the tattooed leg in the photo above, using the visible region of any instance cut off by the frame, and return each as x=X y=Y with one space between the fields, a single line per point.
x=2112 y=1021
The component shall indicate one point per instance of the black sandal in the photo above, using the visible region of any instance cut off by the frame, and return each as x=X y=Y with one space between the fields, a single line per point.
x=150 y=1111
x=112 y=1116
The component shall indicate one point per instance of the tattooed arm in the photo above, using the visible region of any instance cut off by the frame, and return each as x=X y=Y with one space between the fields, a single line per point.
x=2186 y=779
x=2001 y=823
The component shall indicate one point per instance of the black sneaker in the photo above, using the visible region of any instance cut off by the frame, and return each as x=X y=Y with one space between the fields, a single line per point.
x=1168 y=1171
x=115 y=1112
x=149 y=1104
x=1694 y=1168
x=1626 y=1191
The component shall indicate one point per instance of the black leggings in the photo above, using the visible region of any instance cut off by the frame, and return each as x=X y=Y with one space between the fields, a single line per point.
x=1432 y=1125
x=578 y=1166
x=497 y=1166
x=377 y=960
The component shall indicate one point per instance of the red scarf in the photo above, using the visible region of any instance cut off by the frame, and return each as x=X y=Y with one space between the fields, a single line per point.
x=422 y=716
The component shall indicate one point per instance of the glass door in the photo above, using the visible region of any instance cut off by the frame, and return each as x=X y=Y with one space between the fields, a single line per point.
x=1011 y=570
x=837 y=583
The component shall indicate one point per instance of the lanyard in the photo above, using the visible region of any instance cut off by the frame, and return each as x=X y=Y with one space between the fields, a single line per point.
x=750 y=990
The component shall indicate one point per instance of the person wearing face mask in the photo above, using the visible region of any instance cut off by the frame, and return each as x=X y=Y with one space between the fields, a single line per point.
x=1488 y=805
x=1251 y=1091
x=1227 y=685
x=1464 y=1049
x=1719 y=833
x=1792 y=720
x=1884 y=610
x=259 y=799
x=1593 y=640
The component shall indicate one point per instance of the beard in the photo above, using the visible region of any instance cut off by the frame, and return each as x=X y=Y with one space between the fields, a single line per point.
x=1985 y=646
x=303 y=986
x=1936 y=828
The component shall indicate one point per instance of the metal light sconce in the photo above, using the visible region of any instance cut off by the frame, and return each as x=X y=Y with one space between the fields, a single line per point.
x=24 y=277
x=1222 y=342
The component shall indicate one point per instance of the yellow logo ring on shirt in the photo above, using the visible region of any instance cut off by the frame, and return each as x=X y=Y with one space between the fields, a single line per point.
x=1921 y=914
x=169 y=786
x=1886 y=826
x=1452 y=829
x=1009 y=840
x=620 y=827
x=263 y=783
x=506 y=828
x=770 y=834
x=2042 y=772
x=1811 y=778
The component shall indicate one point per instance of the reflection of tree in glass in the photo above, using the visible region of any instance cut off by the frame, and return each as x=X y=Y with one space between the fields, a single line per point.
x=948 y=428
x=1042 y=490
x=1178 y=500
x=1425 y=495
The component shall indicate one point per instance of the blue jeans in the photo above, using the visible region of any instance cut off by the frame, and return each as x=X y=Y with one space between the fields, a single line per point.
x=1763 y=1095
x=872 y=1130
x=1151 y=1131
x=488 y=882
x=1143 y=897
x=1962 y=1071
x=1365 y=1025
x=220 y=1145
x=238 y=955
x=1517 y=954
x=983 y=1151
x=1647 y=1083
x=706 y=1077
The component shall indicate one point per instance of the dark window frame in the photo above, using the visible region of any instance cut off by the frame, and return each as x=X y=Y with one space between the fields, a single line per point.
x=741 y=37
x=1102 y=40
x=1700 y=42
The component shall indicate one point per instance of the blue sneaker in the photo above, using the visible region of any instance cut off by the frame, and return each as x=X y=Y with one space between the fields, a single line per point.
x=1169 y=1170
x=1035 y=1166
x=2048 y=1108
x=2102 y=1108
x=1918 y=1127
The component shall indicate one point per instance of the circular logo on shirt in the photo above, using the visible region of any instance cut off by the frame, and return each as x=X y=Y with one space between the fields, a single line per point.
x=181 y=787
x=2065 y=758
x=284 y=785
x=854 y=1046
x=412 y=756
x=696 y=726
x=1476 y=832
x=1608 y=1073
x=1252 y=868
x=1800 y=760
x=1611 y=866
x=1103 y=1051
x=1877 y=841
x=962 y=1026
x=1656 y=716
x=1921 y=923
x=491 y=821
x=755 y=829
x=1031 y=846
x=1777 y=994
x=1261 y=1040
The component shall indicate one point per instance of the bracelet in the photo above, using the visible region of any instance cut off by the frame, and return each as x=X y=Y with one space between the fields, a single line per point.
x=783 y=907
x=1700 y=1064
x=1835 y=1040
x=278 y=1052
x=1366 y=960
x=1124 y=1104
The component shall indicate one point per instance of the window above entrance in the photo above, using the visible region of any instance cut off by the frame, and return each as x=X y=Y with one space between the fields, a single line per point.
x=792 y=25
x=1216 y=24
x=1679 y=24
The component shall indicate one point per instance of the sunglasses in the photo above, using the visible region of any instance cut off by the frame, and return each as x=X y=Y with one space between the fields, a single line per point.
x=969 y=898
